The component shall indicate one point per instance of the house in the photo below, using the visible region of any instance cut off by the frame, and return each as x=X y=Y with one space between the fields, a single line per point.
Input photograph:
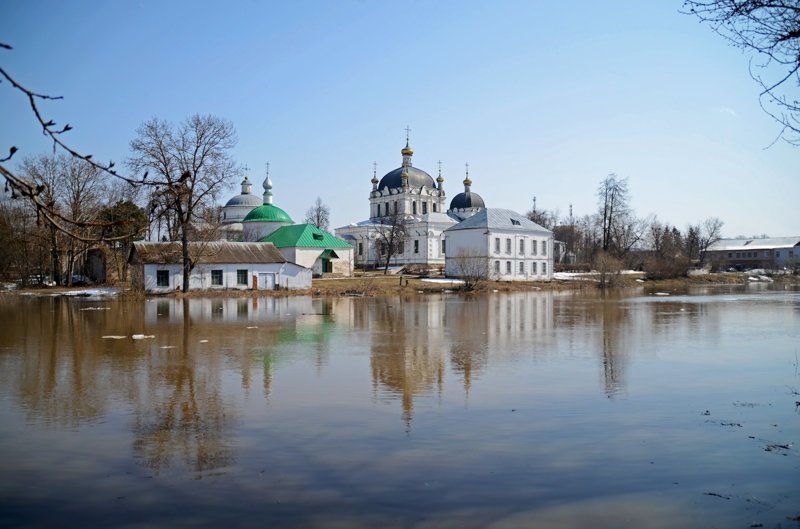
x=157 y=267
x=499 y=244
x=774 y=253
x=309 y=246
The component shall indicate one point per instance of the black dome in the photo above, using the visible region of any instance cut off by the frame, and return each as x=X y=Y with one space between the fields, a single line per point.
x=416 y=178
x=467 y=199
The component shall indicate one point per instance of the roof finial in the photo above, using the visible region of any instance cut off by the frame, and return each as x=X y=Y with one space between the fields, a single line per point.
x=374 y=176
x=407 y=151
x=467 y=181
x=267 y=188
x=408 y=134
x=439 y=179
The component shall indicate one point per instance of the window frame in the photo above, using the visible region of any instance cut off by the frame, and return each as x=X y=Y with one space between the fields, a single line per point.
x=217 y=277
x=162 y=278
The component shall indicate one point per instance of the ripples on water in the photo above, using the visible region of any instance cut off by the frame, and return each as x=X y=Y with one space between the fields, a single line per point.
x=502 y=410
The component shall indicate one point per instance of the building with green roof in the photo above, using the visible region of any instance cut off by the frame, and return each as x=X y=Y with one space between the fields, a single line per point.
x=309 y=246
x=266 y=218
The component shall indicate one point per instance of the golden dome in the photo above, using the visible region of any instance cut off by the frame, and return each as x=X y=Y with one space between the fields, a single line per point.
x=407 y=150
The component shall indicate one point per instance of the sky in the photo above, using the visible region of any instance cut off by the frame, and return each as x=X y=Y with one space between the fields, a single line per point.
x=541 y=99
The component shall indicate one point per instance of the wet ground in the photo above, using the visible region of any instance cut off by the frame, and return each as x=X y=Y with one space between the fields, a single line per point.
x=529 y=409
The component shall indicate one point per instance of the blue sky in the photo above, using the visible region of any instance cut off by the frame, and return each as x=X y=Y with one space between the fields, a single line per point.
x=541 y=98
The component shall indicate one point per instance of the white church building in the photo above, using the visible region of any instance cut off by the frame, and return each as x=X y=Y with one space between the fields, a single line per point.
x=410 y=196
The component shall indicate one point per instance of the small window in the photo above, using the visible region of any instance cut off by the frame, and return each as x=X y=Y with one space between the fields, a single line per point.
x=534 y=247
x=730 y=254
x=241 y=277
x=434 y=207
x=508 y=245
x=443 y=246
x=508 y=267
x=361 y=248
x=777 y=254
x=424 y=208
x=544 y=247
x=395 y=206
x=413 y=207
x=416 y=246
x=791 y=253
x=515 y=222
x=522 y=246
x=522 y=267
x=317 y=236
x=497 y=245
x=162 y=278
x=497 y=266
x=544 y=269
x=533 y=268
x=216 y=278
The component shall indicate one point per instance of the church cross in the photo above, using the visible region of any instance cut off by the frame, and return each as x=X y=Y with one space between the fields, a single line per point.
x=408 y=133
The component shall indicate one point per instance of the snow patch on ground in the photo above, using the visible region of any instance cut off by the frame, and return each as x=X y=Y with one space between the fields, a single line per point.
x=444 y=281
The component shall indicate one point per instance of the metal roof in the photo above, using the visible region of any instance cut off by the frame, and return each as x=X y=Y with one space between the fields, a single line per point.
x=499 y=219
x=304 y=236
x=724 y=245
x=268 y=213
x=214 y=252
x=416 y=178
x=467 y=199
x=245 y=199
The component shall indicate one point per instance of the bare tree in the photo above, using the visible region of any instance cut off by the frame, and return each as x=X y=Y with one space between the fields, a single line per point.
x=392 y=234
x=319 y=215
x=771 y=30
x=709 y=232
x=192 y=165
x=472 y=268
x=613 y=207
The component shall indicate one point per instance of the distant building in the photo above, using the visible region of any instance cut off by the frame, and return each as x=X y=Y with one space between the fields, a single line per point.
x=501 y=243
x=157 y=267
x=236 y=209
x=309 y=246
x=410 y=196
x=774 y=253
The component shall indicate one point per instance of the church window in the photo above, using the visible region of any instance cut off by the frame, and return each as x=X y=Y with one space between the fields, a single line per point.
x=443 y=246
x=416 y=246
x=162 y=278
x=534 y=247
x=508 y=267
x=241 y=277
x=522 y=246
x=522 y=267
x=361 y=248
x=508 y=245
x=434 y=207
x=497 y=245
x=413 y=207
x=216 y=278
x=383 y=248
x=395 y=207
x=424 y=208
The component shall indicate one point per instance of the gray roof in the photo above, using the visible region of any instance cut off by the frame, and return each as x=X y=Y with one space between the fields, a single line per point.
x=499 y=219
x=416 y=178
x=245 y=199
x=215 y=252
x=467 y=199
x=724 y=245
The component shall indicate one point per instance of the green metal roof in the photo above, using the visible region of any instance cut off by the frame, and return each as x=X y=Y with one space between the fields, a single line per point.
x=303 y=236
x=268 y=213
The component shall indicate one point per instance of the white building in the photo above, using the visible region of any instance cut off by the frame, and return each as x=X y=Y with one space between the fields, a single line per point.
x=157 y=267
x=236 y=209
x=410 y=196
x=500 y=243
x=774 y=253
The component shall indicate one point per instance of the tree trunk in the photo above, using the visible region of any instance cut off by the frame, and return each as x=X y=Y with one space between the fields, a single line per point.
x=187 y=264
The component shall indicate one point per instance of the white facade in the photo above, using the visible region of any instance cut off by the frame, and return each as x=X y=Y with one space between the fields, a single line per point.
x=509 y=246
x=311 y=258
x=262 y=276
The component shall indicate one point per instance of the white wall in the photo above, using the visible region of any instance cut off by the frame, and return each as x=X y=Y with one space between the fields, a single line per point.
x=287 y=275
x=478 y=242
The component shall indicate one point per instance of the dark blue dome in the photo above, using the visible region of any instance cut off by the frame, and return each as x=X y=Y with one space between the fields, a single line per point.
x=416 y=178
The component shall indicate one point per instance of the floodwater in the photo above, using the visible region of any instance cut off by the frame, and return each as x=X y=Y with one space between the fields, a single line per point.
x=535 y=409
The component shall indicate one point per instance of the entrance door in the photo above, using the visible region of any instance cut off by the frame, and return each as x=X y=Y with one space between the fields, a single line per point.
x=266 y=281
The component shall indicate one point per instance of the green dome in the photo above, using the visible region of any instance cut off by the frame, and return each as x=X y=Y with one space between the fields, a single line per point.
x=268 y=213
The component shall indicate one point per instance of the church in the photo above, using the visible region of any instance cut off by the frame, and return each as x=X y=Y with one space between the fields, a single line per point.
x=410 y=197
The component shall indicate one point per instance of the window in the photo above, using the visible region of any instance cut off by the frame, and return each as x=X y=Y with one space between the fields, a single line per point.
x=534 y=247
x=216 y=278
x=424 y=208
x=434 y=207
x=383 y=248
x=395 y=206
x=730 y=254
x=162 y=278
x=413 y=207
x=777 y=253
x=508 y=245
x=508 y=267
x=544 y=247
x=522 y=267
x=416 y=246
x=533 y=268
x=361 y=248
x=443 y=246
x=401 y=247
x=791 y=253
x=544 y=269
x=241 y=277
x=317 y=236
x=515 y=222
x=497 y=266
x=497 y=245
x=522 y=246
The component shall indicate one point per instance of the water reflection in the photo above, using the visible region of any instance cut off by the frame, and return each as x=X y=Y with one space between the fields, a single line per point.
x=324 y=399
